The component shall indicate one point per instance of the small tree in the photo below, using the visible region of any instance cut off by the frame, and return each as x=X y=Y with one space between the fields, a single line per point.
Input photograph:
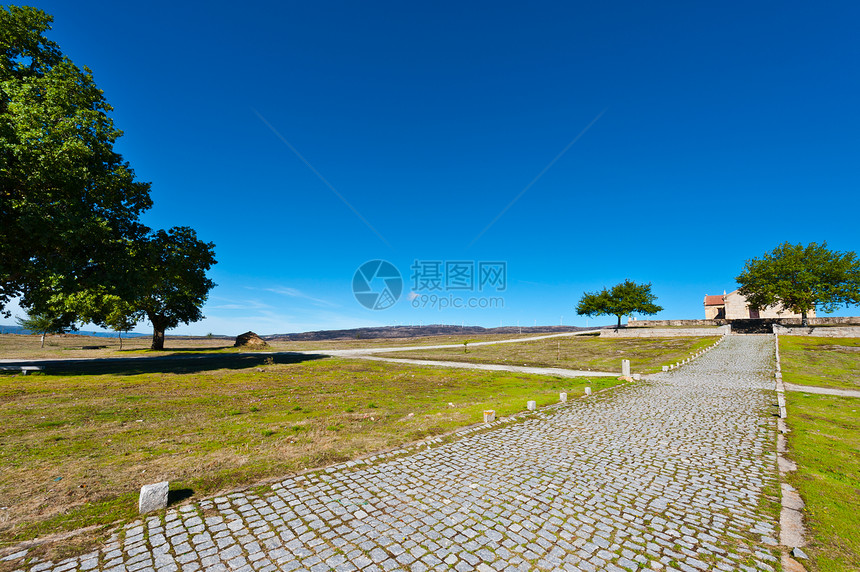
x=172 y=283
x=622 y=300
x=801 y=278
x=43 y=323
x=121 y=317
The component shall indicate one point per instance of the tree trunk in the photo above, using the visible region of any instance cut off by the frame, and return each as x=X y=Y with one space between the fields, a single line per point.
x=804 y=320
x=618 y=325
x=119 y=334
x=43 y=340
x=157 y=337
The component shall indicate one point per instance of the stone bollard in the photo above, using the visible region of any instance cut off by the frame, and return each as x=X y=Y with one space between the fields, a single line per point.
x=625 y=367
x=637 y=377
x=489 y=416
x=587 y=391
x=562 y=397
x=531 y=405
x=665 y=368
x=153 y=497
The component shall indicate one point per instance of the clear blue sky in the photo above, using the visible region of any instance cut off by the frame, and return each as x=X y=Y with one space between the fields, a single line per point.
x=726 y=129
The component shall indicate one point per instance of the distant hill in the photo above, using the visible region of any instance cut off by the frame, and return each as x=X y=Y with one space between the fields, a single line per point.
x=419 y=331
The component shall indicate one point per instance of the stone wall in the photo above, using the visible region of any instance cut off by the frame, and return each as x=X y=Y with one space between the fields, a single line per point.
x=846 y=320
x=822 y=332
x=664 y=332
x=841 y=320
x=664 y=323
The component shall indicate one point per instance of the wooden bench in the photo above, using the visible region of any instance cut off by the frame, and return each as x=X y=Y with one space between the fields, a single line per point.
x=25 y=369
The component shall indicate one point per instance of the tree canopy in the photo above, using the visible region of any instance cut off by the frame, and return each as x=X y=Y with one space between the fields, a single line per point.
x=801 y=278
x=68 y=200
x=71 y=242
x=170 y=279
x=622 y=300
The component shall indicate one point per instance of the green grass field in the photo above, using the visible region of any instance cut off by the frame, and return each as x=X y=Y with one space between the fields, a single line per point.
x=646 y=355
x=825 y=442
x=823 y=362
x=76 y=445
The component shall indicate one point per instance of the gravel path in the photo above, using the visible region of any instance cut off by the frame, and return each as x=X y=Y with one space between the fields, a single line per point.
x=664 y=474
x=822 y=390
x=556 y=371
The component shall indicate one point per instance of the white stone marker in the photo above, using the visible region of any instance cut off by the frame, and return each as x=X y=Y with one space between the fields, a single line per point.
x=562 y=397
x=153 y=497
x=625 y=367
x=636 y=377
x=665 y=368
x=587 y=391
x=489 y=416
x=531 y=405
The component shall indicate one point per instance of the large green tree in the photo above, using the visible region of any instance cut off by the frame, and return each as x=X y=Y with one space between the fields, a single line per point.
x=623 y=299
x=801 y=278
x=69 y=203
x=171 y=285
x=163 y=279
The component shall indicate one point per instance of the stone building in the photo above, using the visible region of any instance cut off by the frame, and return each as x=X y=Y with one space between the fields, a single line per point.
x=733 y=306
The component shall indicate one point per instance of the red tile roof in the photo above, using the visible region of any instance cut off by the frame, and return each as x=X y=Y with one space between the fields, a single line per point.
x=718 y=300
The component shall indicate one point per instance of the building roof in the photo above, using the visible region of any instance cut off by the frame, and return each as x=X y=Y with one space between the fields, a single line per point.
x=718 y=300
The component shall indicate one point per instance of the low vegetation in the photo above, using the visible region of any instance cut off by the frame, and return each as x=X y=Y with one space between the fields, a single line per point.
x=646 y=355
x=77 y=443
x=823 y=362
x=825 y=443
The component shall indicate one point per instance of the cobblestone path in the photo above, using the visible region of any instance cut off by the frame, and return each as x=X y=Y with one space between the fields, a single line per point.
x=667 y=473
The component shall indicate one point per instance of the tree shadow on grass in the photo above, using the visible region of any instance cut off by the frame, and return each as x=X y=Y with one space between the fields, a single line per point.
x=187 y=363
x=197 y=349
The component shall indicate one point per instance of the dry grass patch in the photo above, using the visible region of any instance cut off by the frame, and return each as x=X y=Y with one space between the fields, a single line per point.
x=65 y=346
x=646 y=355
x=24 y=347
